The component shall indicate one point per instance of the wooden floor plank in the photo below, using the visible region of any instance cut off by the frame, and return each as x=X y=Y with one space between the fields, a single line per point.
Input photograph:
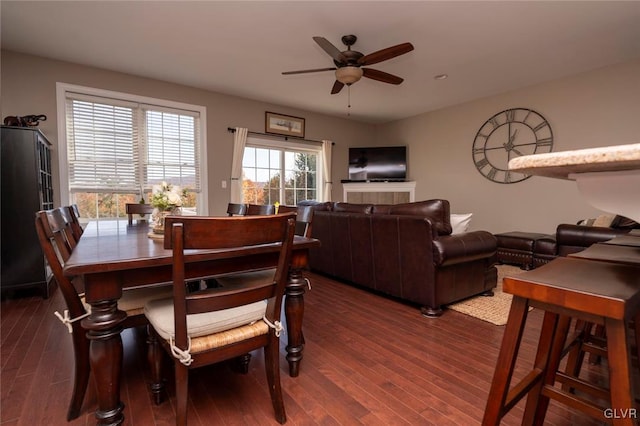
x=368 y=360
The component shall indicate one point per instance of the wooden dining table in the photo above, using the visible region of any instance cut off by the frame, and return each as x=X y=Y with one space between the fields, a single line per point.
x=112 y=256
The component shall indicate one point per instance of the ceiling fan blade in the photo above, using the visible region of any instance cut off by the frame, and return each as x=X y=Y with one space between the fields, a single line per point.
x=337 y=87
x=382 y=76
x=308 y=71
x=384 y=54
x=333 y=51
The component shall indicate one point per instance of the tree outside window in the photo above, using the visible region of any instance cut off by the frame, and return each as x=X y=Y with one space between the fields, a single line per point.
x=263 y=169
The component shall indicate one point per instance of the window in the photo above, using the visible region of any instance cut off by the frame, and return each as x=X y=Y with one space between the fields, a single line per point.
x=264 y=166
x=115 y=147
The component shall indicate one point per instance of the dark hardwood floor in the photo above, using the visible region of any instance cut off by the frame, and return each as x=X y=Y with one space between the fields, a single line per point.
x=368 y=360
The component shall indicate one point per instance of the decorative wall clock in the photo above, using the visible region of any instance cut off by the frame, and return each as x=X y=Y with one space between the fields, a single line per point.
x=508 y=134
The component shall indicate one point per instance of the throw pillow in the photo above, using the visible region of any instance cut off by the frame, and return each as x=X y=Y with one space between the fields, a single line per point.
x=460 y=222
x=622 y=222
x=604 y=220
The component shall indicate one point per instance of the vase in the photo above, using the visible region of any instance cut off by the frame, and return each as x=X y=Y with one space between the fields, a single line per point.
x=158 y=225
x=159 y=217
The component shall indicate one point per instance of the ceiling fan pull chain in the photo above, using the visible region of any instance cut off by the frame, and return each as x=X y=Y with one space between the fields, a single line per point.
x=349 y=100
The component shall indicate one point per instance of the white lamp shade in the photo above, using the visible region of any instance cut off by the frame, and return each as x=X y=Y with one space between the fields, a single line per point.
x=348 y=75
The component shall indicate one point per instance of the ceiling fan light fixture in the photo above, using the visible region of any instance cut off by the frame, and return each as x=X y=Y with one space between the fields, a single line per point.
x=348 y=75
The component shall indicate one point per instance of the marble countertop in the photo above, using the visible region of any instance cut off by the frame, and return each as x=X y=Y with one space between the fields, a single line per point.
x=565 y=164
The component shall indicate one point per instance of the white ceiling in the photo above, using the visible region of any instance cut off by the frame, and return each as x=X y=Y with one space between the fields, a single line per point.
x=241 y=47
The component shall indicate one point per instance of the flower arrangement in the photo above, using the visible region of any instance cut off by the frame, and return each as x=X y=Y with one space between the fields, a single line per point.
x=166 y=197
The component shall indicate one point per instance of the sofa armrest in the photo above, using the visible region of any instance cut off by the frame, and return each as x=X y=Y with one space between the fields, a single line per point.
x=570 y=238
x=468 y=246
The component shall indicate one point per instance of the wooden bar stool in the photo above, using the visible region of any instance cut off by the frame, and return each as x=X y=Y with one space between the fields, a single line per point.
x=594 y=291
x=591 y=338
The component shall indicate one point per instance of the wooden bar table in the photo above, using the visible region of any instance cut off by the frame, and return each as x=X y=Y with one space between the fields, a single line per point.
x=111 y=256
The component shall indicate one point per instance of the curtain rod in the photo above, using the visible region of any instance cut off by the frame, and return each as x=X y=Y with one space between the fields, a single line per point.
x=286 y=138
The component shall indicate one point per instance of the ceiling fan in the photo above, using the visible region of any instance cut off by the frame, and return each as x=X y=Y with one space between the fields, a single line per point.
x=350 y=62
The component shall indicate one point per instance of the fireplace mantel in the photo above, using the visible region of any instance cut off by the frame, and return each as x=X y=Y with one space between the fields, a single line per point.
x=379 y=192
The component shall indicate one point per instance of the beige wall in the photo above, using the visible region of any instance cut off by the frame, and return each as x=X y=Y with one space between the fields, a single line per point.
x=588 y=110
x=28 y=86
x=593 y=109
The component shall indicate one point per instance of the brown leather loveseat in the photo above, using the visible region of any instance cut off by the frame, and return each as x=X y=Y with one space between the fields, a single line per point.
x=403 y=250
x=575 y=238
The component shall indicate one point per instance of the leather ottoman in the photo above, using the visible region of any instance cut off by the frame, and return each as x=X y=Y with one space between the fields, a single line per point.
x=544 y=250
x=517 y=248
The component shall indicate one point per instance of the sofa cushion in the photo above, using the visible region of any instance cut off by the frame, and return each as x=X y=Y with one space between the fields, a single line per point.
x=352 y=208
x=437 y=211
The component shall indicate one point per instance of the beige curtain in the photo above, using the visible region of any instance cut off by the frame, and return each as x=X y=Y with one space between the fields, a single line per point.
x=239 y=141
x=326 y=170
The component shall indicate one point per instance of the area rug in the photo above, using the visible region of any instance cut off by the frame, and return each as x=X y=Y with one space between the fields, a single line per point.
x=493 y=309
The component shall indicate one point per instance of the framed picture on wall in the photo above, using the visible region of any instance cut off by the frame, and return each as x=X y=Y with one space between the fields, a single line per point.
x=281 y=124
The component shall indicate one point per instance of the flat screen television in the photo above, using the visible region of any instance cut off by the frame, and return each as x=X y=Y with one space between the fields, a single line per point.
x=388 y=163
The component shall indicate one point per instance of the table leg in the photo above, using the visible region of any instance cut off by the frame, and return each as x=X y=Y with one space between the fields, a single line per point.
x=294 y=313
x=497 y=403
x=623 y=410
x=550 y=346
x=103 y=330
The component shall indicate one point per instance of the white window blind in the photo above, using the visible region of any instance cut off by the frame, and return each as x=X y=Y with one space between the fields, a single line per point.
x=120 y=146
x=172 y=147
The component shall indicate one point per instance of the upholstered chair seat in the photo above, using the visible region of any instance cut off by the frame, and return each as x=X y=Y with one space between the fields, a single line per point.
x=133 y=300
x=160 y=316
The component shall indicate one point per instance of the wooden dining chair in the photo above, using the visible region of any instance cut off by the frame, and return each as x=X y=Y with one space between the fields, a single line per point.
x=218 y=324
x=235 y=209
x=133 y=209
x=304 y=218
x=260 y=209
x=63 y=218
x=72 y=215
x=51 y=235
x=303 y=224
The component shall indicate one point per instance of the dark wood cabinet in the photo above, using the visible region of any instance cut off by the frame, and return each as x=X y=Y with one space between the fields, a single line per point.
x=27 y=187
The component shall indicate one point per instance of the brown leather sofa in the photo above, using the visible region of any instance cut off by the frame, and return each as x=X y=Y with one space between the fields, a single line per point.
x=403 y=250
x=575 y=238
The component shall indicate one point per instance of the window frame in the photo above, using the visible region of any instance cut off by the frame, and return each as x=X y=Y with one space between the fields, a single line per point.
x=61 y=96
x=284 y=145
